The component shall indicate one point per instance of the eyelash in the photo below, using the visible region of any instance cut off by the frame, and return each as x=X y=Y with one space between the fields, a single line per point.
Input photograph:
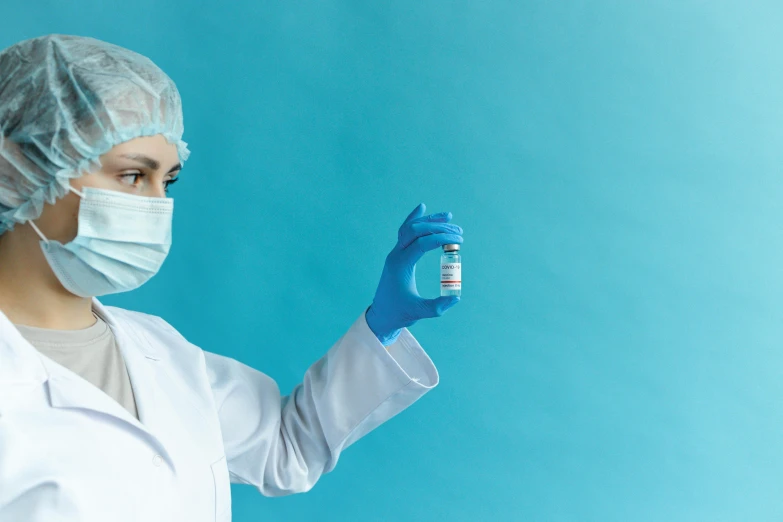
x=141 y=175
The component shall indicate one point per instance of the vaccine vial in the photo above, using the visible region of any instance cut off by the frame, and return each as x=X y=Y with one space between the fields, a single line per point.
x=451 y=270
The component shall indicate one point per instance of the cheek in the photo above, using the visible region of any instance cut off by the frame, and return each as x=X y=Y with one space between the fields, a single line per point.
x=71 y=222
x=60 y=221
x=97 y=179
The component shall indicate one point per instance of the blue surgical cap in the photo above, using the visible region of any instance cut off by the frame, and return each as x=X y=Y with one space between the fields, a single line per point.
x=66 y=100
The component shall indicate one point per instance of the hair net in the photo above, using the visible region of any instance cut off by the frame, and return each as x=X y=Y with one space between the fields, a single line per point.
x=65 y=101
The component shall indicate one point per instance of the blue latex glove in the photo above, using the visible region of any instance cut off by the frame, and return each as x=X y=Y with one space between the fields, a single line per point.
x=397 y=303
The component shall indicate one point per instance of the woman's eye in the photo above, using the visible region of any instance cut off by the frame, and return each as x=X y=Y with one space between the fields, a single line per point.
x=133 y=175
x=171 y=182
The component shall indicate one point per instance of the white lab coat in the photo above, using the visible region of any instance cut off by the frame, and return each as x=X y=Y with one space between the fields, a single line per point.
x=68 y=452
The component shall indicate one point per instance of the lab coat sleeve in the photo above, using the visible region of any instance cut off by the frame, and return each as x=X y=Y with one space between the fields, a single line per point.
x=282 y=445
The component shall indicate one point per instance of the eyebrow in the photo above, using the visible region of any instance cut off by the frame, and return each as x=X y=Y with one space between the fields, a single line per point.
x=149 y=162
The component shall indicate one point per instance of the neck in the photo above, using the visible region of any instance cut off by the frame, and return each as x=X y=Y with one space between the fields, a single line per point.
x=30 y=293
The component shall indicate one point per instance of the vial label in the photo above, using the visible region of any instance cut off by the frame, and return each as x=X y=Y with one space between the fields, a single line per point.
x=451 y=276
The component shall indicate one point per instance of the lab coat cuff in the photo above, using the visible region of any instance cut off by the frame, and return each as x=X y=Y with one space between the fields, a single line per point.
x=378 y=382
x=405 y=356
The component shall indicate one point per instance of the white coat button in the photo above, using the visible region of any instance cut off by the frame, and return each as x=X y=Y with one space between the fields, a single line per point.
x=157 y=460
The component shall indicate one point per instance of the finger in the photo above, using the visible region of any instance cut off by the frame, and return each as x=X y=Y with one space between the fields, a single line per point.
x=438 y=306
x=439 y=217
x=409 y=233
x=415 y=213
x=423 y=244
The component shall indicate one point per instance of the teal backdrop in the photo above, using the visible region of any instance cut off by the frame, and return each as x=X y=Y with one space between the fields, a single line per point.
x=616 y=168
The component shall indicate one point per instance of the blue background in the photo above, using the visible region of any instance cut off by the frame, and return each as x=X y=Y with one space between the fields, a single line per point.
x=616 y=168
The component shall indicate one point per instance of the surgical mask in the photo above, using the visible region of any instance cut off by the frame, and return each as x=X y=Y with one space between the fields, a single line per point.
x=121 y=243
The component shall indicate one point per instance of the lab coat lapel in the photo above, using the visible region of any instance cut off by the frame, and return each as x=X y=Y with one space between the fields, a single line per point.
x=20 y=363
x=69 y=390
x=142 y=361
x=21 y=366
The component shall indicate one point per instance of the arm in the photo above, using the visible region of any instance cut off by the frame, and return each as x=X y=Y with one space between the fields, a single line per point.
x=283 y=445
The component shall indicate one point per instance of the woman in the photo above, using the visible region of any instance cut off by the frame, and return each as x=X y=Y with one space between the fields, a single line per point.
x=110 y=414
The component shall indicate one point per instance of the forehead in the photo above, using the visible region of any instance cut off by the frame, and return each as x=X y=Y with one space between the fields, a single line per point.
x=152 y=146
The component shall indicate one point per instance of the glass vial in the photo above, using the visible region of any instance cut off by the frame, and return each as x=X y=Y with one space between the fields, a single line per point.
x=451 y=271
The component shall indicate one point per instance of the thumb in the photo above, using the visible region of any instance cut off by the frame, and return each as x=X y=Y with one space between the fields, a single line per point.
x=416 y=213
x=438 y=306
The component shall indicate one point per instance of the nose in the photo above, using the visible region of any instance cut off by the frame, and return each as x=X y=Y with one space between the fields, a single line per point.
x=158 y=191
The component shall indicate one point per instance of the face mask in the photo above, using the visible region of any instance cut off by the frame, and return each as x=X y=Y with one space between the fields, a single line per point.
x=121 y=243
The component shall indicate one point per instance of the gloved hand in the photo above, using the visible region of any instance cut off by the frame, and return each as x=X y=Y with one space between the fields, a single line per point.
x=397 y=303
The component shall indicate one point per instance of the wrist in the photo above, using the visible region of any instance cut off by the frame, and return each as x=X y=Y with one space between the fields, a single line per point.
x=386 y=335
